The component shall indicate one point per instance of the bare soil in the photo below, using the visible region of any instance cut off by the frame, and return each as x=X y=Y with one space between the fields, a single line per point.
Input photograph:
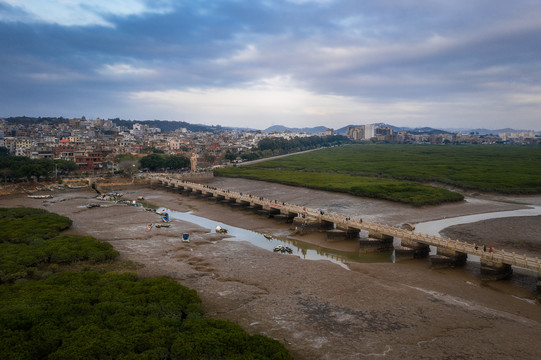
x=318 y=309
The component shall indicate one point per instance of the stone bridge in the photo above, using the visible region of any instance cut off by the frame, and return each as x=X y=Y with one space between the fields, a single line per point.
x=495 y=264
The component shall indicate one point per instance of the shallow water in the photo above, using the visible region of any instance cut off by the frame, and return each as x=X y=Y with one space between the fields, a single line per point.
x=301 y=249
x=434 y=227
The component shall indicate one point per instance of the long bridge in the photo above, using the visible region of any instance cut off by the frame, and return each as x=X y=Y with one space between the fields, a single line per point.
x=495 y=264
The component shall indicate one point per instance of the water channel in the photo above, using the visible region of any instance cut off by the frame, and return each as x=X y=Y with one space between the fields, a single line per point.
x=301 y=249
x=434 y=227
x=309 y=251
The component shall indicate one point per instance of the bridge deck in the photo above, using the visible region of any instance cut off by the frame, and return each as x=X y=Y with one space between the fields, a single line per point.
x=496 y=256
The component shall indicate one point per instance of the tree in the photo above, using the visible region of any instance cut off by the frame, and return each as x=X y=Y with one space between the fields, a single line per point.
x=176 y=162
x=152 y=149
x=33 y=170
x=152 y=162
x=230 y=156
x=4 y=151
x=65 y=166
x=155 y=162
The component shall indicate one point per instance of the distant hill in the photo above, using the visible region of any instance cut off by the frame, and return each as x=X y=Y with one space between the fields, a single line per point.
x=281 y=128
x=484 y=131
x=423 y=130
x=165 y=125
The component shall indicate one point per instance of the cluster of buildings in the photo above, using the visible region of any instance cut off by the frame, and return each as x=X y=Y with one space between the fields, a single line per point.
x=382 y=133
x=93 y=144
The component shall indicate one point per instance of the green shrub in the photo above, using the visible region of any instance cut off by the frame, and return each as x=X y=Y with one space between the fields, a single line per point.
x=26 y=225
x=368 y=169
x=26 y=246
x=89 y=315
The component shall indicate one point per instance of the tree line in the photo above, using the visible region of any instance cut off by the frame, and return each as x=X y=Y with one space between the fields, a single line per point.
x=13 y=168
x=278 y=146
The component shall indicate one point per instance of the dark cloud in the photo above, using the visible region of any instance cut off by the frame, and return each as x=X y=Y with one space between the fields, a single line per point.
x=375 y=51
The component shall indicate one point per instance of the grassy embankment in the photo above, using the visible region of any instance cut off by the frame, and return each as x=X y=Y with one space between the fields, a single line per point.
x=397 y=172
x=48 y=311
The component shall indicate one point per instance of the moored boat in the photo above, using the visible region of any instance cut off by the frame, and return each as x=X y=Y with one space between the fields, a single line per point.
x=40 y=196
x=185 y=238
x=220 y=230
x=282 y=249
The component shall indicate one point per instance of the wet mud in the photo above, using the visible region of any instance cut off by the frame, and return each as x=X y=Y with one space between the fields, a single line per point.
x=318 y=309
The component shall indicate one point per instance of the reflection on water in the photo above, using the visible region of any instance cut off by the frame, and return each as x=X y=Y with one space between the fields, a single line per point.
x=301 y=249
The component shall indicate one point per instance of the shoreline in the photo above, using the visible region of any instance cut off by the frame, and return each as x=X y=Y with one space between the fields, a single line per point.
x=317 y=309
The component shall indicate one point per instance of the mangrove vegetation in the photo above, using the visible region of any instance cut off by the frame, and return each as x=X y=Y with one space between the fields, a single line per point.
x=401 y=172
x=50 y=312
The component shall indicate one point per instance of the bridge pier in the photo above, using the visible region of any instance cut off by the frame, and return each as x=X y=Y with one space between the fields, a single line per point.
x=195 y=193
x=237 y=206
x=375 y=245
x=410 y=249
x=326 y=225
x=264 y=213
x=284 y=218
x=336 y=235
x=254 y=208
x=306 y=225
x=342 y=233
x=446 y=257
x=493 y=270
x=273 y=211
x=228 y=201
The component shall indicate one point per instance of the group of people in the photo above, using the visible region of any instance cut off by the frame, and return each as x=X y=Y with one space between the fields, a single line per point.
x=484 y=248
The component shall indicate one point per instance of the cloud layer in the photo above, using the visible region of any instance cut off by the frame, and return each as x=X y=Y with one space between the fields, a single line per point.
x=259 y=63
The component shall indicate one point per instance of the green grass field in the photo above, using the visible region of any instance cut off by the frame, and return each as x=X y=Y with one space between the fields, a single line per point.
x=397 y=172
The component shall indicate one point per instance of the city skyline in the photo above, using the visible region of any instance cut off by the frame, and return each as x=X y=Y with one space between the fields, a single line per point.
x=298 y=63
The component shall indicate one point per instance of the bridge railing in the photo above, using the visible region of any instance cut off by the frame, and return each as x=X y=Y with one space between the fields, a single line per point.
x=501 y=256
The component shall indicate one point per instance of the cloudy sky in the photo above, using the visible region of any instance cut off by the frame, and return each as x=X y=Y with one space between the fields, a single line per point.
x=250 y=63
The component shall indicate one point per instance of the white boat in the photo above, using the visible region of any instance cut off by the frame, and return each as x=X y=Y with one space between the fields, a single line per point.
x=220 y=230
x=40 y=196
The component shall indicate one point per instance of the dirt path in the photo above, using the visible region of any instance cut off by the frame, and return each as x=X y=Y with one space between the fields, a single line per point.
x=318 y=309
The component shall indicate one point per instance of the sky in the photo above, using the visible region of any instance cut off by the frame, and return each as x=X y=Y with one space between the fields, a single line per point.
x=298 y=63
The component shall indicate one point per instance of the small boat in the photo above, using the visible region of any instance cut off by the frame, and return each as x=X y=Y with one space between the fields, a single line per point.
x=149 y=227
x=220 y=230
x=185 y=238
x=282 y=249
x=40 y=196
x=408 y=226
x=165 y=218
x=268 y=236
x=162 y=225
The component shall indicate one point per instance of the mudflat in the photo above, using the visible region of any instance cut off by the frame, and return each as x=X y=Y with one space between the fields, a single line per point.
x=318 y=309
